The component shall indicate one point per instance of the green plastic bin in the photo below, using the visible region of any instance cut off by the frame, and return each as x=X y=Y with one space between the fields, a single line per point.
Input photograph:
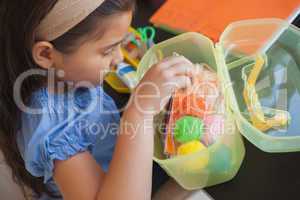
x=279 y=43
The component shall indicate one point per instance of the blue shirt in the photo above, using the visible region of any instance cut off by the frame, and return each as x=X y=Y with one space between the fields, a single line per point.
x=63 y=125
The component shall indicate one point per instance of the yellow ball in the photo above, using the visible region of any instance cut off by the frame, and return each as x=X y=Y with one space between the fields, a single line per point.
x=190 y=147
x=197 y=162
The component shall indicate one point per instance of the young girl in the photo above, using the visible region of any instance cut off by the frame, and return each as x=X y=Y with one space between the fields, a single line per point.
x=60 y=132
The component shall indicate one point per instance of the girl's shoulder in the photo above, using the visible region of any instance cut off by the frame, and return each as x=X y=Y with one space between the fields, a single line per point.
x=47 y=110
x=77 y=100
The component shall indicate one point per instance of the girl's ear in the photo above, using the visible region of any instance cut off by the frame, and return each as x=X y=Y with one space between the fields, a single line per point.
x=44 y=54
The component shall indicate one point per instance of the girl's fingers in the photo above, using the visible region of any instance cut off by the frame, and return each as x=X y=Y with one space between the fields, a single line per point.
x=182 y=69
x=180 y=82
x=173 y=60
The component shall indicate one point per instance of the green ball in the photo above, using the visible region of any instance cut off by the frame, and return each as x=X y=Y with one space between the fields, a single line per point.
x=188 y=128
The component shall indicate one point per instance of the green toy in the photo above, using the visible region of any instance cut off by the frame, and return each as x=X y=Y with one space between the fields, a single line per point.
x=188 y=128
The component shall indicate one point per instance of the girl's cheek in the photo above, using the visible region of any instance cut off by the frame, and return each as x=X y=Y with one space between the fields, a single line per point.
x=107 y=64
x=105 y=67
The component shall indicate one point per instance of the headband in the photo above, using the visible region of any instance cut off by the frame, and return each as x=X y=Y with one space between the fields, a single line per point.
x=65 y=15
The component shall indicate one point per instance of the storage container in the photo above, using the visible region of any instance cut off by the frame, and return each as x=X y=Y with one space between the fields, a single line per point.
x=276 y=91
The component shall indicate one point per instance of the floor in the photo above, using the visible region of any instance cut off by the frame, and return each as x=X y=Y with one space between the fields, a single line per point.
x=172 y=191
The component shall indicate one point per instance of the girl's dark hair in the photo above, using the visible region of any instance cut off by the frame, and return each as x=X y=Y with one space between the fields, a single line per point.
x=18 y=22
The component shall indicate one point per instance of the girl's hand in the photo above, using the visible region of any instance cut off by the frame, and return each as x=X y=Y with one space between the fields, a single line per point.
x=158 y=84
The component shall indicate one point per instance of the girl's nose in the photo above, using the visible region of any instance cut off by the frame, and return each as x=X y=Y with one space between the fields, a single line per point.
x=117 y=56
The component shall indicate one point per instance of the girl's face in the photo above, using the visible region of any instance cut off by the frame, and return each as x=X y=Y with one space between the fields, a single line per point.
x=94 y=58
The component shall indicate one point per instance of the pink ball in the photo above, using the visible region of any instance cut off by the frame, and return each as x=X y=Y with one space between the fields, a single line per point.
x=214 y=128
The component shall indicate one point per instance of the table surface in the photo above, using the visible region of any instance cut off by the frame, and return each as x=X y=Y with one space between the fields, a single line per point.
x=262 y=175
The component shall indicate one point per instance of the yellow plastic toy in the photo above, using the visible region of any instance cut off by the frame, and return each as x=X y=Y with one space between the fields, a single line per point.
x=142 y=33
x=257 y=113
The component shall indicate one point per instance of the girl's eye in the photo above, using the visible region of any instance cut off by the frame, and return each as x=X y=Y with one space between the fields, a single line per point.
x=108 y=52
x=111 y=50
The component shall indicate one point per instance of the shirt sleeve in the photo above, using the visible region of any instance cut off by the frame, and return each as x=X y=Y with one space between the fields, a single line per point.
x=61 y=142
x=61 y=135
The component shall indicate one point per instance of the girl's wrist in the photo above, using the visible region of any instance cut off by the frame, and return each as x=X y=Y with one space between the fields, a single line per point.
x=140 y=110
x=141 y=104
x=134 y=118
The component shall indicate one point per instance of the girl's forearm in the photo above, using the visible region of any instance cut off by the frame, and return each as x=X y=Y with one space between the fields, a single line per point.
x=130 y=172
